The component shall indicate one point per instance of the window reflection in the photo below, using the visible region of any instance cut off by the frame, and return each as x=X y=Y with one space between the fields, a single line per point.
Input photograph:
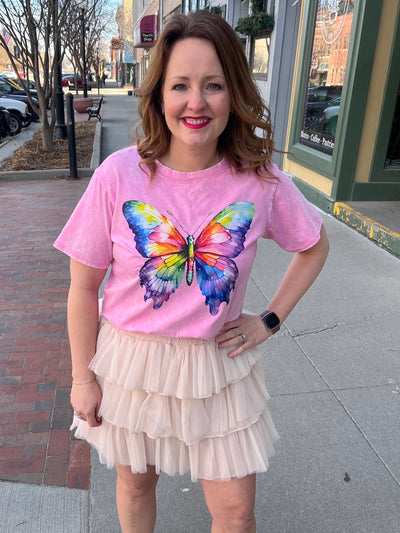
x=326 y=75
x=194 y=5
x=261 y=56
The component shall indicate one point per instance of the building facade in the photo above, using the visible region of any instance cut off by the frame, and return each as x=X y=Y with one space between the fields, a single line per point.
x=342 y=138
x=329 y=71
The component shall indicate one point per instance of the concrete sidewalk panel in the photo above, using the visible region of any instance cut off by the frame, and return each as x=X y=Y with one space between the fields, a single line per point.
x=119 y=119
x=376 y=412
x=353 y=355
x=181 y=507
x=103 y=516
x=287 y=369
x=255 y=301
x=38 y=509
x=324 y=478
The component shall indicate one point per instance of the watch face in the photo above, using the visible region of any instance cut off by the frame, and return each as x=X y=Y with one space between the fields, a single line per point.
x=271 y=320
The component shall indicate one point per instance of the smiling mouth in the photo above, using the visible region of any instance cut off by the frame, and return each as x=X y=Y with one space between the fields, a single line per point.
x=196 y=123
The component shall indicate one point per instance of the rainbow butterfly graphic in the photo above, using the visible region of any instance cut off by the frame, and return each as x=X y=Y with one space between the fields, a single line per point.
x=169 y=253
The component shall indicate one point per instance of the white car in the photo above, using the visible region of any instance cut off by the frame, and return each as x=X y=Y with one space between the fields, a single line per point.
x=19 y=113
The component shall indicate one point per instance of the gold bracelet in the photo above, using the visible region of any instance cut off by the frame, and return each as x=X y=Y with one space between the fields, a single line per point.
x=84 y=382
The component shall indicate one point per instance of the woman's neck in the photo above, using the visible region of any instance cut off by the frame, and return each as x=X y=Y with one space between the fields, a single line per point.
x=192 y=162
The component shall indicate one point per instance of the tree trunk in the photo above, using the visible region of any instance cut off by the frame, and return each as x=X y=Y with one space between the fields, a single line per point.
x=47 y=136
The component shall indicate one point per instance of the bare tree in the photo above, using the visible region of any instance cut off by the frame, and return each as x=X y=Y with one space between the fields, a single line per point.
x=34 y=26
x=97 y=17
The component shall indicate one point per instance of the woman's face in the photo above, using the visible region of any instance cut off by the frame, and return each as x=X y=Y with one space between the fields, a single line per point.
x=196 y=101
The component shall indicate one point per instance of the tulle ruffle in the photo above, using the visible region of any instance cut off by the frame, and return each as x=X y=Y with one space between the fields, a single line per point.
x=138 y=361
x=179 y=404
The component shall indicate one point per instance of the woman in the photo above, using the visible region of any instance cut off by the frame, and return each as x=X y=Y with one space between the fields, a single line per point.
x=172 y=379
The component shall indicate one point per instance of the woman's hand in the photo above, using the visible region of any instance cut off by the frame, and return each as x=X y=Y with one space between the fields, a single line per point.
x=83 y=316
x=248 y=330
x=85 y=400
x=243 y=333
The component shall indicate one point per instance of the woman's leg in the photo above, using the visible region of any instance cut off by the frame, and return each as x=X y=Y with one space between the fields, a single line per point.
x=136 y=500
x=231 y=504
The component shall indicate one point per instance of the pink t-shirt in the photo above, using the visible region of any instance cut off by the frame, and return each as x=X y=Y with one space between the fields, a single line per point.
x=181 y=248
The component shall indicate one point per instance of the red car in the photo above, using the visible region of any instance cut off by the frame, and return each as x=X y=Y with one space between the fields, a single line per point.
x=70 y=78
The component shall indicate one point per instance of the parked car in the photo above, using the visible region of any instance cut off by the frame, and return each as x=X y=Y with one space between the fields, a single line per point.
x=318 y=98
x=10 y=91
x=330 y=116
x=10 y=74
x=30 y=83
x=4 y=122
x=14 y=88
x=70 y=78
x=19 y=114
x=7 y=73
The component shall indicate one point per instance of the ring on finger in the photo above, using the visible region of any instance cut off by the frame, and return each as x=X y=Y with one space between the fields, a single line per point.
x=81 y=417
x=243 y=337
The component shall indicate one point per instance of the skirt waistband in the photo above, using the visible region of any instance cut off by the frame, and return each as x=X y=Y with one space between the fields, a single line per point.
x=151 y=337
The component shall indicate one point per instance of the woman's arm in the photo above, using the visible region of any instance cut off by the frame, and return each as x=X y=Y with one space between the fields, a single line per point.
x=300 y=275
x=83 y=315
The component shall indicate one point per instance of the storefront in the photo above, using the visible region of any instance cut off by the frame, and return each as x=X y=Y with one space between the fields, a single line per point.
x=343 y=137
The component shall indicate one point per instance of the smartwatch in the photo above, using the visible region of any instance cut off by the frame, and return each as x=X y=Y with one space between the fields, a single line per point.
x=271 y=321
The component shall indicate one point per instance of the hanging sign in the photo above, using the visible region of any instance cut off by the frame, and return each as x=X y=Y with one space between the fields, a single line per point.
x=117 y=44
x=145 y=32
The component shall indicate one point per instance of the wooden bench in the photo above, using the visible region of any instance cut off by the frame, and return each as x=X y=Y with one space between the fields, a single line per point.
x=94 y=110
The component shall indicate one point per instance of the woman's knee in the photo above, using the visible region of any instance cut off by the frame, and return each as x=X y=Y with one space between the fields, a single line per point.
x=233 y=517
x=136 y=485
x=232 y=503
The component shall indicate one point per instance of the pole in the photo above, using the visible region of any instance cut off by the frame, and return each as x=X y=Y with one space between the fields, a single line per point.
x=84 y=53
x=60 y=129
x=73 y=166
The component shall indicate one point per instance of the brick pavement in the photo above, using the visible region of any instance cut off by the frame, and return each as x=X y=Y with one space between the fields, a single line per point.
x=36 y=445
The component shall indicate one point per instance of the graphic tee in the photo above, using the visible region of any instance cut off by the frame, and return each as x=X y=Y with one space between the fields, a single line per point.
x=181 y=247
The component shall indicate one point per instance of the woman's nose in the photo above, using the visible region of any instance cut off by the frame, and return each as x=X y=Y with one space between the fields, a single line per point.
x=196 y=100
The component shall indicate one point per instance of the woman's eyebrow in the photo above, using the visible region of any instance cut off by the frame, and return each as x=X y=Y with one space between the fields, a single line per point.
x=184 y=78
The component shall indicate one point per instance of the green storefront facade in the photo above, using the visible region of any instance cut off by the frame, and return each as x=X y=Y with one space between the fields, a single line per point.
x=343 y=134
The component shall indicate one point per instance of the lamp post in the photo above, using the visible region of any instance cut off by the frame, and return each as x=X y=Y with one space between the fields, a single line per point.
x=60 y=128
x=84 y=52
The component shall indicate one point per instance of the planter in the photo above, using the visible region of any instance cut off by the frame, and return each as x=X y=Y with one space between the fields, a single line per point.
x=81 y=104
x=257 y=24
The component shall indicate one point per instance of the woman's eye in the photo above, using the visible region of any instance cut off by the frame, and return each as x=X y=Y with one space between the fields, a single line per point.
x=214 y=86
x=179 y=87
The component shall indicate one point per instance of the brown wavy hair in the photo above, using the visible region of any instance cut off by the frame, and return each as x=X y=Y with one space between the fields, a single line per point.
x=243 y=147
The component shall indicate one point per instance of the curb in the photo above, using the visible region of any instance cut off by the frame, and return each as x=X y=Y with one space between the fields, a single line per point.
x=56 y=172
x=383 y=236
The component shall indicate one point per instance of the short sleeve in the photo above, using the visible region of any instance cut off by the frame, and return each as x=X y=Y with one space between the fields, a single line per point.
x=86 y=236
x=293 y=223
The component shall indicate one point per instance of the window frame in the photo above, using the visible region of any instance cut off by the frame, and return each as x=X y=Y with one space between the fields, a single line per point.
x=340 y=166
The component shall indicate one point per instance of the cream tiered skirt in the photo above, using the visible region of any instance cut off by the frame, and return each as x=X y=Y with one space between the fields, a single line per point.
x=179 y=404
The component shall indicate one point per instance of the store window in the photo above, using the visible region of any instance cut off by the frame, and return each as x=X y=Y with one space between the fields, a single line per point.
x=260 y=56
x=393 y=149
x=194 y=5
x=327 y=69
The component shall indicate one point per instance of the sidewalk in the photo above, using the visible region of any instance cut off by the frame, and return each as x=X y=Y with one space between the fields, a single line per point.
x=333 y=373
